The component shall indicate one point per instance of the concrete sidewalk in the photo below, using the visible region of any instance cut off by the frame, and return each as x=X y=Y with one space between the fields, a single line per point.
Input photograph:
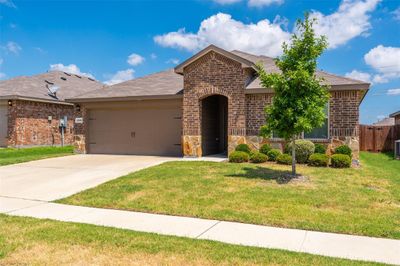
x=327 y=244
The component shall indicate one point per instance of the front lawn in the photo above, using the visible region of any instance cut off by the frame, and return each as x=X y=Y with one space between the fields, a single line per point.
x=28 y=241
x=12 y=156
x=363 y=201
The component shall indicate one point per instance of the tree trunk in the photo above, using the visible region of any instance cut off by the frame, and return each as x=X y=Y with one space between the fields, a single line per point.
x=294 y=156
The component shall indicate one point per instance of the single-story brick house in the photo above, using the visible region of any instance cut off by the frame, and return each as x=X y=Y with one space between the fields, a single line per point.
x=31 y=108
x=206 y=105
x=396 y=117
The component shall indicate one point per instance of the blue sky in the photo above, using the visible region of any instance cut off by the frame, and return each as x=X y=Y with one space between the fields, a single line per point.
x=118 y=40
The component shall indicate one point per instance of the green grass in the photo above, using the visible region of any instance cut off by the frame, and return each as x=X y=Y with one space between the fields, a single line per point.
x=28 y=241
x=363 y=201
x=12 y=156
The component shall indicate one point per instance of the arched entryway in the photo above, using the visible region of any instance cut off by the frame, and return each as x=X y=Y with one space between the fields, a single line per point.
x=214 y=125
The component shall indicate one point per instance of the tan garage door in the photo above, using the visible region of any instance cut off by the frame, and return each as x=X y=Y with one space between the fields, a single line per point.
x=3 y=125
x=142 y=131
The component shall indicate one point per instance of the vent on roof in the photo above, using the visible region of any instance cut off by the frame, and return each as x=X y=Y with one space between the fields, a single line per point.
x=49 y=82
x=91 y=79
x=68 y=74
x=78 y=76
x=63 y=78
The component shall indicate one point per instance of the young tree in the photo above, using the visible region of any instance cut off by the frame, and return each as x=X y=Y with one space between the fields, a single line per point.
x=299 y=96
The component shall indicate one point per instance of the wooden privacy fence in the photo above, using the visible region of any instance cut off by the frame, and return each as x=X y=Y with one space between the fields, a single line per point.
x=378 y=138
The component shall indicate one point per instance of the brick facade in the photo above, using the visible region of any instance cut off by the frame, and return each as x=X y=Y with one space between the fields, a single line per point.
x=210 y=75
x=28 y=124
x=215 y=74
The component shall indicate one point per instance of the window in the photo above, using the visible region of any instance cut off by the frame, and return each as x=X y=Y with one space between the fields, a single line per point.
x=320 y=132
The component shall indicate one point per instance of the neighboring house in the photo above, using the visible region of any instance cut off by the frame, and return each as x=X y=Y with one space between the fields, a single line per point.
x=396 y=117
x=31 y=108
x=206 y=105
x=387 y=121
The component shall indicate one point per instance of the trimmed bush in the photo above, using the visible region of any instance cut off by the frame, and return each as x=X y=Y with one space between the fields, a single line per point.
x=243 y=147
x=265 y=149
x=340 y=161
x=344 y=149
x=304 y=148
x=320 y=148
x=284 y=159
x=238 y=157
x=273 y=154
x=318 y=159
x=258 y=157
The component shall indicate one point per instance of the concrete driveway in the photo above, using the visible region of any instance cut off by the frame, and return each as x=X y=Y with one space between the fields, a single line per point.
x=56 y=178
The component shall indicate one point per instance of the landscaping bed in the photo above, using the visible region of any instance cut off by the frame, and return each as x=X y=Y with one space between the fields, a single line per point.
x=362 y=201
x=28 y=241
x=12 y=156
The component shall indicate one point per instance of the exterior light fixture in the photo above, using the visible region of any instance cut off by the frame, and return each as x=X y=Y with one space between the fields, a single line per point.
x=9 y=103
x=78 y=108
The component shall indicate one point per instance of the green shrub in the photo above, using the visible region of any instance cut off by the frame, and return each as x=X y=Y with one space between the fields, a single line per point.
x=340 y=161
x=238 y=157
x=320 y=148
x=284 y=159
x=243 y=147
x=273 y=154
x=304 y=148
x=318 y=159
x=265 y=149
x=344 y=149
x=258 y=157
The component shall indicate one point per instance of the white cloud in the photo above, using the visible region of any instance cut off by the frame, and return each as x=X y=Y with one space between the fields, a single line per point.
x=40 y=50
x=385 y=61
x=349 y=21
x=396 y=14
x=135 y=59
x=226 y=2
x=222 y=30
x=153 y=56
x=393 y=92
x=174 y=61
x=262 y=3
x=2 y=75
x=120 y=76
x=72 y=69
x=12 y=47
x=8 y=3
x=355 y=74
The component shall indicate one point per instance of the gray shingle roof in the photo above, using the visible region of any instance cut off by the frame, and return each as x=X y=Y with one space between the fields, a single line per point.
x=269 y=65
x=165 y=83
x=169 y=83
x=37 y=86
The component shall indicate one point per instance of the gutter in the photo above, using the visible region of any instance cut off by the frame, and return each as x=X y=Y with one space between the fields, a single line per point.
x=127 y=98
x=32 y=99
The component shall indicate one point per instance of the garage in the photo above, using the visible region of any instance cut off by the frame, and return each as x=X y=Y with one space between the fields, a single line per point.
x=3 y=124
x=147 y=127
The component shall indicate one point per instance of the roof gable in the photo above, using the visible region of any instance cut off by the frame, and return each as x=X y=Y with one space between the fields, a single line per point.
x=243 y=61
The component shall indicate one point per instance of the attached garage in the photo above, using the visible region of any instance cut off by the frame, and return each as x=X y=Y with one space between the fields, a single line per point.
x=3 y=124
x=147 y=127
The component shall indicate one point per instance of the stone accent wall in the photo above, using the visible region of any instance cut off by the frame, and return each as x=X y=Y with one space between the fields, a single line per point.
x=210 y=75
x=81 y=130
x=28 y=124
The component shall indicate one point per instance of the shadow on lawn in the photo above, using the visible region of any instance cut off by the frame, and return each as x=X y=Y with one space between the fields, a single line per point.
x=280 y=176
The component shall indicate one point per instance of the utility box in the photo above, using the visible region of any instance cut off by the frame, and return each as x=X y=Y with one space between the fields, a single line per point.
x=63 y=122
x=397 y=149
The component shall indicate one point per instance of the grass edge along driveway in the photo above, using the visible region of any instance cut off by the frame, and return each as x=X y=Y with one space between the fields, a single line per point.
x=44 y=242
x=12 y=156
x=362 y=201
